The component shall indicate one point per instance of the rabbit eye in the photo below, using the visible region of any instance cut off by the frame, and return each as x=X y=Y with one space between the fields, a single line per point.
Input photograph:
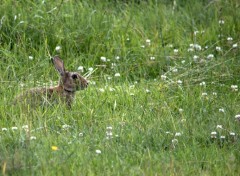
x=74 y=76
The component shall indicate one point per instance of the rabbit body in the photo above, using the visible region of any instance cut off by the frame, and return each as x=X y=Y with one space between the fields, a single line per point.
x=64 y=92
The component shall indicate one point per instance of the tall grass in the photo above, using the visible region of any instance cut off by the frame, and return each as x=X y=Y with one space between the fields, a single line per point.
x=169 y=83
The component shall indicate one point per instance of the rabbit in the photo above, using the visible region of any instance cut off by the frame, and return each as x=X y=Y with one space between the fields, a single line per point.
x=69 y=83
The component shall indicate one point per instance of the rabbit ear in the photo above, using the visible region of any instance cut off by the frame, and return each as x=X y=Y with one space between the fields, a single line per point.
x=58 y=64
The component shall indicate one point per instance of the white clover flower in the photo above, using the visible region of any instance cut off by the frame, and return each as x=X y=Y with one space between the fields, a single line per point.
x=232 y=134
x=229 y=39
x=218 y=48
x=170 y=45
x=152 y=58
x=179 y=81
x=234 y=87
x=80 y=68
x=202 y=84
x=219 y=126
x=101 y=90
x=190 y=50
x=4 y=129
x=210 y=56
x=117 y=75
x=98 y=151
x=237 y=117
x=30 y=57
x=14 y=128
x=168 y=132
x=131 y=94
x=33 y=138
x=196 y=32
x=90 y=69
x=58 y=48
x=25 y=127
x=221 y=22
x=128 y=39
x=197 y=47
x=178 y=134
x=204 y=94
x=65 y=126
x=104 y=59
x=148 y=41
x=214 y=134
x=214 y=93
x=109 y=128
x=195 y=57
x=175 y=51
x=222 y=137
x=180 y=110
x=80 y=134
x=221 y=110
x=117 y=57
x=206 y=47
x=109 y=134
x=183 y=61
x=235 y=45
x=175 y=70
x=143 y=46
x=111 y=89
x=148 y=91
x=174 y=141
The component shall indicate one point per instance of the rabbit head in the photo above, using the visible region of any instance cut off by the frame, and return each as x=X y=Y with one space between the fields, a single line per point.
x=69 y=81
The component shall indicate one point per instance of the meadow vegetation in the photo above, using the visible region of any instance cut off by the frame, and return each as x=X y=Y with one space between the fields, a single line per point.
x=163 y=97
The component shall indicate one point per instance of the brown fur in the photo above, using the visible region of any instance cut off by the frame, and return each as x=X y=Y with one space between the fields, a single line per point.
x=64 y=92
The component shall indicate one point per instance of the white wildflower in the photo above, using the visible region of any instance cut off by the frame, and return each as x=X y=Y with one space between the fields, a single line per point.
x=101 y=90
x=178 y=134
x=204 y=94
x=235 y=45
x=179 y=81
x=4 y=129
x=148 y=41
x=180 y=110
x=117 y=75
x=90 y=69
x=98 y=151
x=14 y=128
x=202 y=84
x=219 y=126
x=30 y=57
x=174 y=141
x=80 y=68
x=229 y=39
x=148 y=91
x=218 y=48
x=80 y=134
x=232 y=134
x=152 y=58
x=58 y=48
x=104 y=59
x=175 y=51
x=33 y=138
x=221 y=22
x=221 y=110
x=210 y=56
x=117 y=57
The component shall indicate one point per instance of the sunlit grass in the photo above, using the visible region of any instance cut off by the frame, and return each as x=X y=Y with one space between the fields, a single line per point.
x=163 y=94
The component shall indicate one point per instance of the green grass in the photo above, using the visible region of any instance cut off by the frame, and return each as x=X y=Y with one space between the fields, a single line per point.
x=159 y=125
